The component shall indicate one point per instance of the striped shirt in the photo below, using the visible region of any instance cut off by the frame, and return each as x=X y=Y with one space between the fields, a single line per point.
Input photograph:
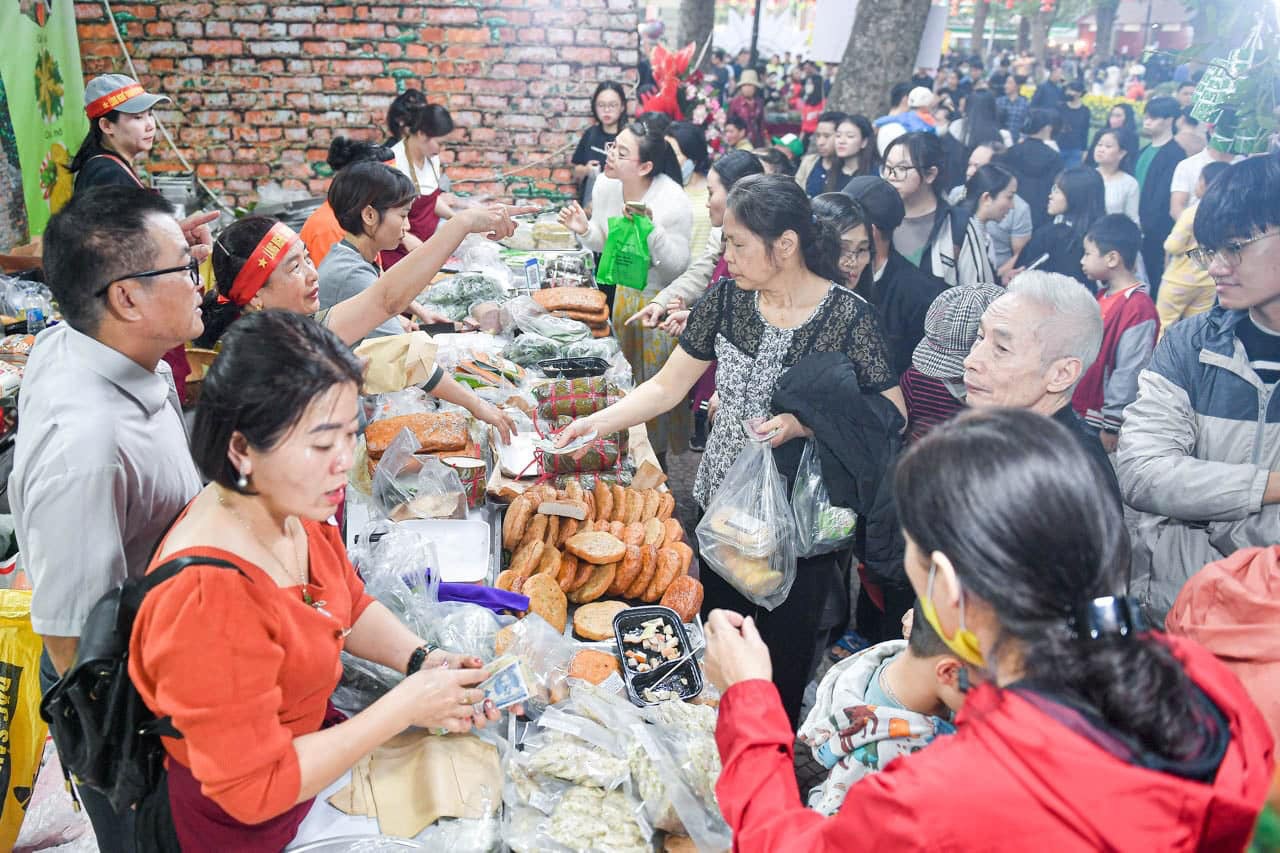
x=929 y=403
x=1262 y=346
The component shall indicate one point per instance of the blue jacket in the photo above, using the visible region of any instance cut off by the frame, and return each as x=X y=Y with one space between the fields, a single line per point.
x=1195 y=452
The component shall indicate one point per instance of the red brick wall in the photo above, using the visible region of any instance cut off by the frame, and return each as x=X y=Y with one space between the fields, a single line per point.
x=259 y=89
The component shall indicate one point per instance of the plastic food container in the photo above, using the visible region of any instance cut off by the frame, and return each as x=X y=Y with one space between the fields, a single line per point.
x=462 y=547
x=573 y=368
x=682 y=682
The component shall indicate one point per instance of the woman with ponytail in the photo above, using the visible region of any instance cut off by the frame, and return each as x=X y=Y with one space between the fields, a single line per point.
x=989 y=197
x=641 y=168
x=1083 y=727
x=782 y=302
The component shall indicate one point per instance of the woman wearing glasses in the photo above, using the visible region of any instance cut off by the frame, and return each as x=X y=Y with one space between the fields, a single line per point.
x=786 y=301
x=641 y=171
x=1202 y=440
x=935 y=237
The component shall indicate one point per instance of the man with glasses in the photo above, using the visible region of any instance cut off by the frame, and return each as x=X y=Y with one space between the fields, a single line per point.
x=101 y=464
x=1199 y=453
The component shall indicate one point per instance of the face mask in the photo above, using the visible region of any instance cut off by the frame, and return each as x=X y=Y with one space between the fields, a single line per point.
x=686 y=169
x=964 y=643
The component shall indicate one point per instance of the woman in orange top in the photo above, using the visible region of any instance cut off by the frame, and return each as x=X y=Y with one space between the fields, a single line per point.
x=321 y=230
x=244 y=661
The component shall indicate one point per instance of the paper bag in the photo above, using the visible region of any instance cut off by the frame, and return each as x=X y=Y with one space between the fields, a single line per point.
x=397 y=361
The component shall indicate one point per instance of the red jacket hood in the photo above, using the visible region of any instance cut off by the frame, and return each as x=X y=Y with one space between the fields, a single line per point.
x=1091 y=795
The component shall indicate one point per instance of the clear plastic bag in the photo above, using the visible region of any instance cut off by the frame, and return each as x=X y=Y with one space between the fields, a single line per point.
x=748 y=533
x=820 y=527
x=529 y=348
x=407 y=486
x=393 y=560
x=409 y=401
x=546 y=654
x=363 y=683
x=678 y=786
x=529 y=316
x=464 y=628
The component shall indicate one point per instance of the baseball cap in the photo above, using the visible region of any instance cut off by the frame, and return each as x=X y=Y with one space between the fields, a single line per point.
x=950 y=327
x=879 y=199
x=919 y=97
x=108 y=92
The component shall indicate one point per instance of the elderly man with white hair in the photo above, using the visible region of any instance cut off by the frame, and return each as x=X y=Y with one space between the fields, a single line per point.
x=1034 y=343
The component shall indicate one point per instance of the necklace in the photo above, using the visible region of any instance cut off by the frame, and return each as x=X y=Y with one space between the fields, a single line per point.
x=299 y=575
x=887 y=690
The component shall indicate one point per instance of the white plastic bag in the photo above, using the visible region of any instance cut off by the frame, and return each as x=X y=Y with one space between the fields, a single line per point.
x=748 y=533
x=820 y=527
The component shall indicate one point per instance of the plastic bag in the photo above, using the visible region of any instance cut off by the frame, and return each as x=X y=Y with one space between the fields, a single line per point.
x=363 y=683
x=748 y=533
x=410 y=401
x=546 y=654
x=625 y=259
x=396 y=564
x=605 y=348
x=482 y=255
x=464 y=628
x=529 y=316
x=680 y=796
x=407 y=486
x=528 y=349
x=820 y=527
x=22 y=731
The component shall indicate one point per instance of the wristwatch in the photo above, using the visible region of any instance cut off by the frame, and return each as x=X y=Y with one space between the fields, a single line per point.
x=418 y=658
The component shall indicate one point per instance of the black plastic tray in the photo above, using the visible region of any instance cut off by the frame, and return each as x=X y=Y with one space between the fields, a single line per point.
x=632 y=618
x=573 y=368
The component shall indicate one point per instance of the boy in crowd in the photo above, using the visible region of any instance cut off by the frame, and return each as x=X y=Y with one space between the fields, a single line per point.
x=1130 y=327
x=888 y=700
x=1073 y=129
x=812 y=174
x=735 y=134
x=1186 y=289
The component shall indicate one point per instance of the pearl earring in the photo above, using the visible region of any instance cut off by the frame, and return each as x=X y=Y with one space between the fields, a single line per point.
x=242 y=482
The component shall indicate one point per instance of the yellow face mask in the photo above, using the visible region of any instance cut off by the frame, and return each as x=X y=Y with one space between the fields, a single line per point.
x=965 y=642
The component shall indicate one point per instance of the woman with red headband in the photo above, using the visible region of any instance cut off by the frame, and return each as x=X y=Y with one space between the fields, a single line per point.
x=121 y=128
x=260 y=263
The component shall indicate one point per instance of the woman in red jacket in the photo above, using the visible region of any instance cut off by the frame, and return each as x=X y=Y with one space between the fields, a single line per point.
x=1083 y=730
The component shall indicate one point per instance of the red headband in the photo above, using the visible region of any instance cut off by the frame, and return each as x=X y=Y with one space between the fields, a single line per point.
x=111 y=100
x=262 y=262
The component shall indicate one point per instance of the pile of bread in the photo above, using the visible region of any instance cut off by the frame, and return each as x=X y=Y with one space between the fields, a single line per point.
x=584 y=304
x=438 y=433
x=579 y=546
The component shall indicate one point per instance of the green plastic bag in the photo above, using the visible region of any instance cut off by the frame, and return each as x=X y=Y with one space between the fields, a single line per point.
x=625 y=260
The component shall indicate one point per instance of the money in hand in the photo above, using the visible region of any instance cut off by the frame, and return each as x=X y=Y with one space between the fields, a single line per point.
x=506 y=684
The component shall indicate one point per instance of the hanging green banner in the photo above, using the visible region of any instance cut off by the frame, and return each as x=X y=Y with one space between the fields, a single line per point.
x=40 y=66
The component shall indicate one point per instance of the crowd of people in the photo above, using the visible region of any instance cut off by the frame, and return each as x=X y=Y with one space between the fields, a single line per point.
x=1038 y=364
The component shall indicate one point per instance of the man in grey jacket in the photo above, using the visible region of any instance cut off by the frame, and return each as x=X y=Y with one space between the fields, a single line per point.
x=1199 y=451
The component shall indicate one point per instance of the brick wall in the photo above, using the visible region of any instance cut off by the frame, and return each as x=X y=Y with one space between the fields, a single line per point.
x=259 y=89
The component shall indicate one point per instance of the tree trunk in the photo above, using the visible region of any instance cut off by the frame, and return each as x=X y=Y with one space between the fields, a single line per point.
x=881 y=52
x=980 y=8
x=1024 y=33
x=697 y=19
x=1104 y=13
x=1040 y=25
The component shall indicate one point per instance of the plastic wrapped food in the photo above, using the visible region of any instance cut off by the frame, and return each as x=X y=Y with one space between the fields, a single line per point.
x=605 y=348
x=564 y=757
x=527 y=314
x=407 y=486
x=821 y=527
x=528 y=349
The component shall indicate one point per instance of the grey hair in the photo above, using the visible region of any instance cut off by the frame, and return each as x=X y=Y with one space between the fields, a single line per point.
x=1072 y=327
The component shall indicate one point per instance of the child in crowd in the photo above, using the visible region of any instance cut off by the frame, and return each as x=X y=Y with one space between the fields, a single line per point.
x=1130 y=326
x=748 y=105
x=1186 y=289
x=889 y=700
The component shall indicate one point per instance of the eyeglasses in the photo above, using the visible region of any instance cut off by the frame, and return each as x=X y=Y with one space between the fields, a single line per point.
x=611 y=149
x=897 y=173
x=192 y=267
x=1229 y=253
x=852 y=256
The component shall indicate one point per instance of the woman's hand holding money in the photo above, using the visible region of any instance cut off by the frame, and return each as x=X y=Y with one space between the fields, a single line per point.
x=440 y=698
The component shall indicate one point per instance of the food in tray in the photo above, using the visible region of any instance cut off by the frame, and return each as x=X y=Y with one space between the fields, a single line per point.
x=595 y=621
x=594 y=665
x=547 y=599
x=436 y=432
x=649 y=646
x=684 y=596
x=583 y=300
x=549 y=235
x=597 y=548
